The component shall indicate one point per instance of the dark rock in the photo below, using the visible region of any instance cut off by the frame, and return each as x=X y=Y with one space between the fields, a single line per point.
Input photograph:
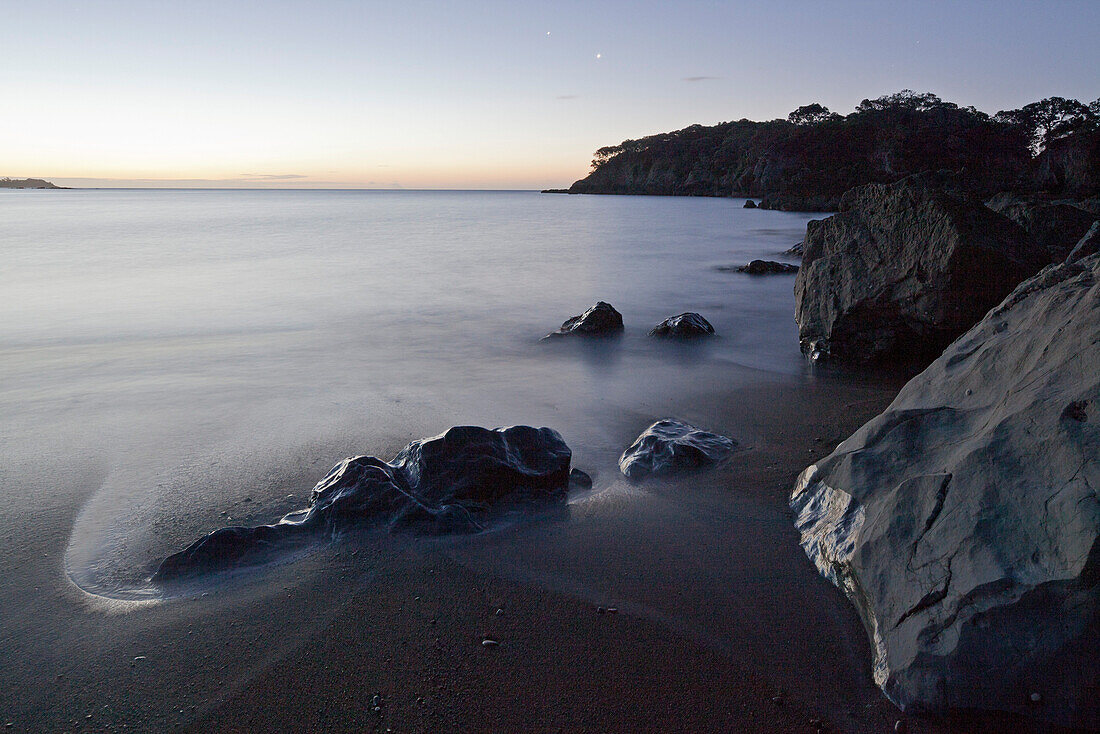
x=600 y=320
x=1054 y=226
x=1070 y=166
x=577 y=478
x=686 y=325
x=903 y=270
x=1088 y=245
x=964 y=523
x=749 y=204
x=437 y=484
x=795 y=251
x=671 y=444
x=800 y=202
x=767 y=267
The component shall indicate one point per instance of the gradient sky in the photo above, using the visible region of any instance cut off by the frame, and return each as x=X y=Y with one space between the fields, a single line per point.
x=477 y=94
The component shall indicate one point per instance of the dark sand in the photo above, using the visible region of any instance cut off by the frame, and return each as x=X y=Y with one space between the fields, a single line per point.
x=719 y=611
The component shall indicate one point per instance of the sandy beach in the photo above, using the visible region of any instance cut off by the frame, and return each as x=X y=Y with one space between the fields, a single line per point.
x=721 y=622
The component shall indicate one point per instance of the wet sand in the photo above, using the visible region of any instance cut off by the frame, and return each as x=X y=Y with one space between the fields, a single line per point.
x=718 y=611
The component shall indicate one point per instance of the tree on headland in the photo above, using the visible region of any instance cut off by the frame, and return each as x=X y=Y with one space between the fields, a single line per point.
x=812 y=114
x=1050 y=119
x=905 y=100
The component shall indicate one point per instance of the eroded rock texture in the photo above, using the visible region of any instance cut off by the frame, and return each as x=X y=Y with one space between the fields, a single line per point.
x=670 y=444
x=903 y=270
x=963 y=522
x=439 y=484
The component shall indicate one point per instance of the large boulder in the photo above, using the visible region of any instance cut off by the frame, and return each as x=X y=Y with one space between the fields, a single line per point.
x=963 y=522
x=903 y=270
x=684 y=326
x=670 y=444
x=599 y=320
x=438 y=484
x=1055 y=225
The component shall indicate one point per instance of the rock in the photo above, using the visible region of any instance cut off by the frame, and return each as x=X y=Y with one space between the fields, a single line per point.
x=577 y=478
x=1088 y=245
x=489 y=643
x=686 y=325
x=767 y=267
x=433 y=485
x=1053 y=226
x=749 y=204
x=963 y=522
x=795 y=251
x=601 y=319
x=671 y=444
x=903 y=270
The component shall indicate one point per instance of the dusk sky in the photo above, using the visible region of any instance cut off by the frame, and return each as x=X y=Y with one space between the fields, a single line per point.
x=477 y=94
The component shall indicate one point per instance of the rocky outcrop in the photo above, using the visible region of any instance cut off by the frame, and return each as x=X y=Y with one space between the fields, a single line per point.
x=670 y=444
x=1070 y=166
x=767 y=267
x=903 y=270
x=439 y=484
x=794 y=251
x=963 y=522
x=1088 y=245
x=600 y=320
x=749 y=204
x=1056 y=226
x=684 y=326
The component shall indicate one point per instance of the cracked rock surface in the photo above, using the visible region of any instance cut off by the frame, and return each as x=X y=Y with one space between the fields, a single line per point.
x=963 y=522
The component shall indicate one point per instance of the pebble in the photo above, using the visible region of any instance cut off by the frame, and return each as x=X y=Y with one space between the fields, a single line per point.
x=900 y=727
x=1036 y=697
x=600 y=610
x=489 y=643
x=140 y=657
x=500 y=612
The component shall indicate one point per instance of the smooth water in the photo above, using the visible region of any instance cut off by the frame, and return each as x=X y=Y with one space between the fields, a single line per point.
x=203 y=354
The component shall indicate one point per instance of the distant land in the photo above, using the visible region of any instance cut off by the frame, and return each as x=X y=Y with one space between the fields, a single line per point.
x=27 y=183
x=805 y=162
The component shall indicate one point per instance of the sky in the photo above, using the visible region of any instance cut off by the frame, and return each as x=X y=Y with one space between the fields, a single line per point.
x=497 y=95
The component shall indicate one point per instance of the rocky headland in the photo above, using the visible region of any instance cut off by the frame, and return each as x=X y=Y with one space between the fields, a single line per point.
x=1049 y=148
x=27 y=183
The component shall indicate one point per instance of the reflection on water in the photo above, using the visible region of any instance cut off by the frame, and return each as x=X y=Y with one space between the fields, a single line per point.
x=210 y=346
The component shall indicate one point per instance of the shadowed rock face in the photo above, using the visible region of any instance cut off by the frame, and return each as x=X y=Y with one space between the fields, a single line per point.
x=903 y=270
x=1088 y=245
x=671 y=444
x=964 y=523
x=684 y=326
x=601 y=319
x=433 y=485
x=1054 y=226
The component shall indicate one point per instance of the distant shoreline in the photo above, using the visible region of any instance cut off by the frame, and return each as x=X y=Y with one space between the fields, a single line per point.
x=28 y=183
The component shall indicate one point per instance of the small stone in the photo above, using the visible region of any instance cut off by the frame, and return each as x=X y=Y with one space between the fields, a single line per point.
x=1036 y=697
x=600 y=610
x=612 y=610
x=140 y=657
x=900 y=727
x=376 y=701
x=500 y=612
x=489 y=643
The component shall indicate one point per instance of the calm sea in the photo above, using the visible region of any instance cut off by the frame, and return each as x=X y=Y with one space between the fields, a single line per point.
x=190 y=349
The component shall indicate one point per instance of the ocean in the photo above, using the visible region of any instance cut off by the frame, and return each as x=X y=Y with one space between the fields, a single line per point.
x=207 y=354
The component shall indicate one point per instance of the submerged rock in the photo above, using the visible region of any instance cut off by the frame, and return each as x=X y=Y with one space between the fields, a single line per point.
x=795 y=250
x=685 y=325
x=599 y=320
x=963 y=522
x=437 y=484
x=903 y=270
x=671 y=444
x=767 y=267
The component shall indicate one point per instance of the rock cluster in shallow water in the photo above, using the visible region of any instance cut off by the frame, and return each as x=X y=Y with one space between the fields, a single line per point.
x=964 y=522
x=439 y=484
